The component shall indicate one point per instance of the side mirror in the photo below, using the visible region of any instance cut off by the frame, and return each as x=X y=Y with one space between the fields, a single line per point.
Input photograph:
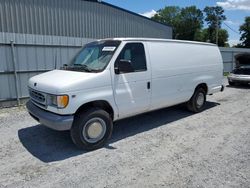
x=123 y=66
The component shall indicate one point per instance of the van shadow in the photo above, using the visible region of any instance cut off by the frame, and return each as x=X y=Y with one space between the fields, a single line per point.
x=50 y=146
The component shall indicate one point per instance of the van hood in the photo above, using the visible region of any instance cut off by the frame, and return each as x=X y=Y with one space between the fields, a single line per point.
x=62 y=81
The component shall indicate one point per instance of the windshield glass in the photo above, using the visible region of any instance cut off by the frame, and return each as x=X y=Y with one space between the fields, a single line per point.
x=94 y=57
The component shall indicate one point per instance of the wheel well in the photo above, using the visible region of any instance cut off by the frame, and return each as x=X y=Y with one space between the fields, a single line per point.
x=203 y=86
x=99 y=104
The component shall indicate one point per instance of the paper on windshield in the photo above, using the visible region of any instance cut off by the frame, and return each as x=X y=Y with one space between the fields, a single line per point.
x=109 y=48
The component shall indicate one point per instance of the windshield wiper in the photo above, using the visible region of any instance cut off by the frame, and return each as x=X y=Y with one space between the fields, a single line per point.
x=83 y=67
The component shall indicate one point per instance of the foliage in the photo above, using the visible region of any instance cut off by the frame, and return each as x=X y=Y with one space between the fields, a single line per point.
x=185 y=22
x=214 y=15
x=170 y=16
x=188 y=22
x=214 y=18
x=222 y=37
x=245 y=33
x=191 y=22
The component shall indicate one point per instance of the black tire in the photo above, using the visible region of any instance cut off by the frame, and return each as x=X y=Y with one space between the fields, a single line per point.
x=193 y=104
x=231 y=83
x=79 y=133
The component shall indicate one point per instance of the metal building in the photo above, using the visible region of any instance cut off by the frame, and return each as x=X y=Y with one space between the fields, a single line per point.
x=76 y=18
x=40 y=35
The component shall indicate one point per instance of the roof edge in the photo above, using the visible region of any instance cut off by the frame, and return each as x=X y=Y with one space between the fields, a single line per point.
x=161 y=40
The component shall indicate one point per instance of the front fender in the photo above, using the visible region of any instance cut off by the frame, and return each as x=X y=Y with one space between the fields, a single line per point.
x=79 y=98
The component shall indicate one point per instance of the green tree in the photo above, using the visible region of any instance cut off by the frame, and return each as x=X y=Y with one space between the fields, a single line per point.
x=186 y=22
x=214 y=15
x=191 y=23
x=222 y=37
x=169 y=15
x=245 y=33
x=214 y=18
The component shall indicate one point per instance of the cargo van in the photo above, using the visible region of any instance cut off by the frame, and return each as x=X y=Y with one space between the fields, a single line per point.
x=112 y=79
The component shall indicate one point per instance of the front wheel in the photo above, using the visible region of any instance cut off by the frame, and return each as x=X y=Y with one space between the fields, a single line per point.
x=197 y=102
x=91 y=129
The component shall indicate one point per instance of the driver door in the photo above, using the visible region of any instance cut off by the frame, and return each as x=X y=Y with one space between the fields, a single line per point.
x=132 y=90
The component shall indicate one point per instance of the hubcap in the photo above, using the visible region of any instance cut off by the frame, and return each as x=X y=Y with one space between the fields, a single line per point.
x=200 y=100
x=94 y=130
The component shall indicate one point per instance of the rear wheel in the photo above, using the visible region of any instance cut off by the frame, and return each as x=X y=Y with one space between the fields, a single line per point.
x=197 y=102
x=91 y=129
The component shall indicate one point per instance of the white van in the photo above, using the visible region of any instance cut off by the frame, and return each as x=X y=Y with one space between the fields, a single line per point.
x=112 y=79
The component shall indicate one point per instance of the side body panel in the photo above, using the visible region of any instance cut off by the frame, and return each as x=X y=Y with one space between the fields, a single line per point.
x=177 y=68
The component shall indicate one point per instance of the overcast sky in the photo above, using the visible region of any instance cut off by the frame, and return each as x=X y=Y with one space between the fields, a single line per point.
x=235 y=10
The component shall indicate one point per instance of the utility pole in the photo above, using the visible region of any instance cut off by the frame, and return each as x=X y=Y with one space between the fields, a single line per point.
x=217 y=30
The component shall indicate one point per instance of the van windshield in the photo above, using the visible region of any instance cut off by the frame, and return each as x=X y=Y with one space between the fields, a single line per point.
x=94 y=57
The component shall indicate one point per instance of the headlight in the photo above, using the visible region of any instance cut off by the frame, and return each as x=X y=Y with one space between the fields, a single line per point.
x=53 y=100
x=60 y=101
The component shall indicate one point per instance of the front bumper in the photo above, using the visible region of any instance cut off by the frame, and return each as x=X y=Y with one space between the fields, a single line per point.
x=239 y=78
x=49 y=119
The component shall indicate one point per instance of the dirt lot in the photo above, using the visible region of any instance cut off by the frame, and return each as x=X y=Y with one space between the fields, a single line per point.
x=166 y=148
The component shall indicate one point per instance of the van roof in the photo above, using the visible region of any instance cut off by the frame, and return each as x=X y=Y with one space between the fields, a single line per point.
x=160 y=40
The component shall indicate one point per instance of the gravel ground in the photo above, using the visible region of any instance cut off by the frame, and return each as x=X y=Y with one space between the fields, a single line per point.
x=165 y=148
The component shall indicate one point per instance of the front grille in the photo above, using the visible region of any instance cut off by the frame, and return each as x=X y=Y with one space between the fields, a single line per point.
x=38 y=97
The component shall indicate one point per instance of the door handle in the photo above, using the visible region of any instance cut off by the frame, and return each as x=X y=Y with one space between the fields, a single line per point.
x=148 y=85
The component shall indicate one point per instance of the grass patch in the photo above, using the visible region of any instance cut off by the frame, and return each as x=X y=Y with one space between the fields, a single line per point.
x=226 y=73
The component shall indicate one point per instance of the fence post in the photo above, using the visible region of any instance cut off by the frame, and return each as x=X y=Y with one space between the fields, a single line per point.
x=15 y=72
x=232 y=60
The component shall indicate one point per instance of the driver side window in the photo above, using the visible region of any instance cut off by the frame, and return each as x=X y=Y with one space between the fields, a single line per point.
x=135 y=53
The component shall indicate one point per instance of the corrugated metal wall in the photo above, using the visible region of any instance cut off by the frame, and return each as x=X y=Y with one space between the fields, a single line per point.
x=75 y=18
